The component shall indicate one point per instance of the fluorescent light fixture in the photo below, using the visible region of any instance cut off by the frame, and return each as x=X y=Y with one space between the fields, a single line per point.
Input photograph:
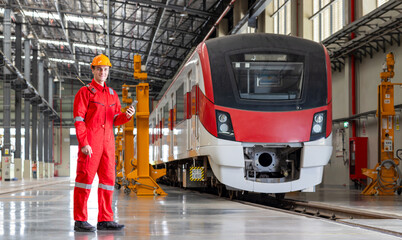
x=83 y=45
x=87 y=20
x=69 y=17
x=12 y=37
x=183 y=14
x=61 y=60
x=55 y=42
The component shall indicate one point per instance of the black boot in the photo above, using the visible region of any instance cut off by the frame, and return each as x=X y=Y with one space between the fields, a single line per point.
x=80 y=226
x=109 y=225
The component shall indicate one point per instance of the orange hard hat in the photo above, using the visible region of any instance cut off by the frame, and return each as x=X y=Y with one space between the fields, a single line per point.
x=101 y=60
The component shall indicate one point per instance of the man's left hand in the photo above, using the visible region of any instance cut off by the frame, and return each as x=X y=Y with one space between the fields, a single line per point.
x=130 y=112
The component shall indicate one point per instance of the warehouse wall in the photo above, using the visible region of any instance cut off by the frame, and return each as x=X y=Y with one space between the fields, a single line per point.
x=336 y=172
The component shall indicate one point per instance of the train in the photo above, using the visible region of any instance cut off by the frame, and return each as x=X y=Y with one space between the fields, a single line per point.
x=247 y=113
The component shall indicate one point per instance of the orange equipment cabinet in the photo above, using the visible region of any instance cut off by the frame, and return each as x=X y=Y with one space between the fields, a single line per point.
x=358 y=158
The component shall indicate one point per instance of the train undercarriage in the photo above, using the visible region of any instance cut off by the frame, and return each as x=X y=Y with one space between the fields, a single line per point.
x=261 y=164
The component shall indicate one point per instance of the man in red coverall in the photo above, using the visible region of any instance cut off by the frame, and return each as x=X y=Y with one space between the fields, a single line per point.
x=96 y=110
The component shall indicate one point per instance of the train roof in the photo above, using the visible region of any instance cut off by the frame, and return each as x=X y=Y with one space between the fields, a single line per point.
x=261 y=40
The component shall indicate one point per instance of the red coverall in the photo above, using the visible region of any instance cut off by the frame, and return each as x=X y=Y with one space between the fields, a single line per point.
x=96 y=110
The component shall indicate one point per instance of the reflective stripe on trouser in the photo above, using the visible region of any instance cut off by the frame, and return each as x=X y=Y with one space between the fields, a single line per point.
x=101 y=162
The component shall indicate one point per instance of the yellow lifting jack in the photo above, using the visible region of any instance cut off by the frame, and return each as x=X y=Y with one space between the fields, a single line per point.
x=136 y=174
x=385 y=176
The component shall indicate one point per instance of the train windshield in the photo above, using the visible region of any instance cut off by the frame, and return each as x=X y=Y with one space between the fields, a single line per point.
x=267 y=76
x=261 y=72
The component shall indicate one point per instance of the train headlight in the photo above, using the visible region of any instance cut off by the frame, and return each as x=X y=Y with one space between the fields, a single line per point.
x=318 y=118
x=318 y=128
x=224 y=125
x=222 y=118
x=223 y=128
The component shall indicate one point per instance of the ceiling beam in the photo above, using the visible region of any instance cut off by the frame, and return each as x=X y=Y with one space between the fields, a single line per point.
x=177 y=8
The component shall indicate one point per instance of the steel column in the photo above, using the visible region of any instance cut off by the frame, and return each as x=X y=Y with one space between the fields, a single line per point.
x=27 y=113
x=34 y=145
x=40 y=146
x=46 y=123
x=7 y=84
x=18 y=94
x=50 y=133
x=41 y=119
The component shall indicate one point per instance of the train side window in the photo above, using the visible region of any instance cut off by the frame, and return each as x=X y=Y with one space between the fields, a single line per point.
x=191 y=83
x=160 y=123
x=180 y=113
x=166 y=116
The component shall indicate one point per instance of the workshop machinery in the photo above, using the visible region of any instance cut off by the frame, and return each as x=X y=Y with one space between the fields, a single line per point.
x=137 y=174
x=385 y=175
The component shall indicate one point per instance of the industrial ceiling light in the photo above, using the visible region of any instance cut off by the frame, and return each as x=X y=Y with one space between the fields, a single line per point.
x=16 y=11
x=184 y=14
x=171 y=38
x=89 y=46
x=30 y=36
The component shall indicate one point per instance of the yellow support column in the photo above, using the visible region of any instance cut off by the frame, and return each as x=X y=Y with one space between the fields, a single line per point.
x=141 y=178
x=119 y=157
x=128 y=162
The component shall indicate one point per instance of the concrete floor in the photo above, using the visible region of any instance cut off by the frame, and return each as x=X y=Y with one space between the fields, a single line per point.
x=47 y=213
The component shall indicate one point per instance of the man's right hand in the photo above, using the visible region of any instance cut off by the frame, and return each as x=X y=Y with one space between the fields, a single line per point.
x=87 y=150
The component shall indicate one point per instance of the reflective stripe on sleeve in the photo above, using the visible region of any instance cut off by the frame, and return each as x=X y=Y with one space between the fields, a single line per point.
x=83 y=185
x=106 y=187
x=111 y=91
x=115 y=116
x=78 y=119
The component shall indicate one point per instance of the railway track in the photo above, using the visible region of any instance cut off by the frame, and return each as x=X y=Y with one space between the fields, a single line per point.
x=344 y=215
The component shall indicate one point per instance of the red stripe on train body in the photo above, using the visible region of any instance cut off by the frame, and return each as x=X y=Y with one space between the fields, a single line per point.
x=272 y=127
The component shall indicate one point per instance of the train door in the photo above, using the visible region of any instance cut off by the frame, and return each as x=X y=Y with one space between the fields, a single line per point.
x=180 y=123
x=160 y=134
x=151 y=140
x=191 y=80
x=172 y=116
x=194 y=106
x=188 y=89
x=165 y=133
x=156 y=143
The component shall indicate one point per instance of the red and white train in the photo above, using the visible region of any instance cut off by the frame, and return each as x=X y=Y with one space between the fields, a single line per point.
x=250 y=112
